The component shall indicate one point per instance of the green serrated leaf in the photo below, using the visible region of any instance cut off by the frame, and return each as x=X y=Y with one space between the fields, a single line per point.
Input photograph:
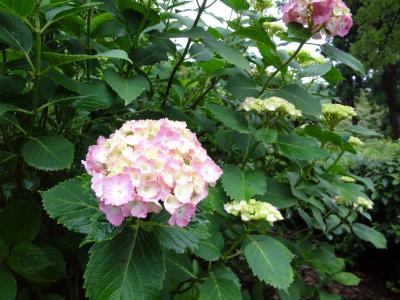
x=269 y=260
x=300 y=148
x=58 y=59
x=179 y=266
x=295 y=94
x=343 y=57
x=72 y=204
x=48 y=153
x=210 y=249
x=131 y=266
x=241 y=185
x=180 y=239
x=8 y=284
x=229 y=118
x=237 y=4
x=219 y=288
x=127 y=89
x=228 y=53
x=278 y=194
x=370 y=235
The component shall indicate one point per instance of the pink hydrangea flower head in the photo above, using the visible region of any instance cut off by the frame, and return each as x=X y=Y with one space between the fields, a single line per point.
x=148 y=165
x=331 y=17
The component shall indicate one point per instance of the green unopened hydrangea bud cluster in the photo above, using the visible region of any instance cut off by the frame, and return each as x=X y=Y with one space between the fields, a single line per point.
x=355 y=141
x=335 y=113
x=254 y=210
x=260 y=5
x=347 y=179
x=361 y=203
x=273 y=104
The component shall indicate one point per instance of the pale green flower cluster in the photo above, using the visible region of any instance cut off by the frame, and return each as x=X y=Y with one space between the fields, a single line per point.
x=260 y=5
x=254 y=210
x=347 y=179
x=272 y=104
x=361 y=203
x=355 y=141
x=335 y=113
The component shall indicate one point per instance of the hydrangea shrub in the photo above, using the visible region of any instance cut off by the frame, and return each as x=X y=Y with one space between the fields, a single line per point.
x=149 y=155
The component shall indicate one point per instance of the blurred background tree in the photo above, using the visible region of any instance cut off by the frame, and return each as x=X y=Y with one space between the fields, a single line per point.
x=375 y=40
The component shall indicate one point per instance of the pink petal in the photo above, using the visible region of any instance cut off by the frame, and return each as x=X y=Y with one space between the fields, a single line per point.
x=117 y=190
x=181 y=217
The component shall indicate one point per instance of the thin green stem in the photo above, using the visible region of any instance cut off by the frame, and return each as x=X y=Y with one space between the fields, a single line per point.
x=285 y=64
x=335 y=162
x=233 y=246
x=38 y=58
x=185 y=51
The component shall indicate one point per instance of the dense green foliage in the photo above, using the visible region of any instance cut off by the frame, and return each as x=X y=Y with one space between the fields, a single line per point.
x=72 y=72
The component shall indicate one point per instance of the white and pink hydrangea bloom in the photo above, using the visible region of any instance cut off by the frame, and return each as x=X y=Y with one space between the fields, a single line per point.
x=330 y=16
x=147 y=165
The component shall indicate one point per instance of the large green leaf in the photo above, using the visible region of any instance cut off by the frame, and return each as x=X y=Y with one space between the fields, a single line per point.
x=21 y=8
x=237 y=4
x=27 y=259
x=14 y=33
x=72 y=204
x=20 y=221
x=278 y=194
x=8 y=284
x=127 y=89
x=178 y=266
x=241 y=185
x=58 y=59
x=343 y=57
x=228 y=53
x=129 y=267
x=229 y=118
x=370 y=235
x=219 y=288
x=210 y=249
x=48 y=153
x=317 y=70
x=180 y=239
x=256 y=35
x=301 y=99
x=269 y=260
x=300 y=148
x=241 y=86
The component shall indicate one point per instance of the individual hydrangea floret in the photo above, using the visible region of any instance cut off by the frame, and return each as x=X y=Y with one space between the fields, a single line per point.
x=277 y=105
x=335 y=113
x=254 y=210
x=355 y=141
x=327 y=16
x=147 y=163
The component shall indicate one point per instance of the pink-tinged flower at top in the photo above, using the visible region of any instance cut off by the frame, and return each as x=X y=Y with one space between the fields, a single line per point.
x=134 y=175
x=117 y=190
x=171 y=203
x=322 y=10
x=181 y=217
x=113 y=214
x=168 y=137
x=295 y=11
